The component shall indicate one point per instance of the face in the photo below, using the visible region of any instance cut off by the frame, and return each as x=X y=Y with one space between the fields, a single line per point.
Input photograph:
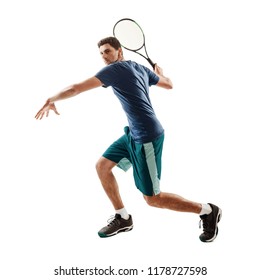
x=110 y=54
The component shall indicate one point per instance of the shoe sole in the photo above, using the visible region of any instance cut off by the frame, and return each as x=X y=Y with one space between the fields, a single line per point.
x=125 y=229
x=219 y=216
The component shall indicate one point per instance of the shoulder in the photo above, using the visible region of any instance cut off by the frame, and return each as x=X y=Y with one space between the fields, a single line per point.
x=108 y=75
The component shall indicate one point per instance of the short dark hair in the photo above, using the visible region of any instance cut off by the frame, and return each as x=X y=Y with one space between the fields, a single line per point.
x=111 y=41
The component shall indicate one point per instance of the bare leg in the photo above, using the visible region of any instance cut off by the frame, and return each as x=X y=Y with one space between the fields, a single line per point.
x=173 y=202
x=104 y=169
x=163 y=200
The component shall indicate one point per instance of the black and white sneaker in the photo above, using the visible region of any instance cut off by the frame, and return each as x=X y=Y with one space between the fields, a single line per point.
x=116 y=225
x=210 y=224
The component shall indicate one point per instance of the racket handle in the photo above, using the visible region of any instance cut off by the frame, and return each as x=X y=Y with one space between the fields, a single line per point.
x=151 y=62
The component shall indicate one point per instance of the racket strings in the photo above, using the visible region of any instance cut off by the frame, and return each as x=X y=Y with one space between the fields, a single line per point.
x=129 y=34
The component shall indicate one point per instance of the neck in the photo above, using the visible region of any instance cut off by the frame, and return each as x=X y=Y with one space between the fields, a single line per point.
x=119 y=59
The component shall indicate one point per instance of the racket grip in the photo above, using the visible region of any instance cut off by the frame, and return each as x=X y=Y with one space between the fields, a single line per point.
x=151 y=62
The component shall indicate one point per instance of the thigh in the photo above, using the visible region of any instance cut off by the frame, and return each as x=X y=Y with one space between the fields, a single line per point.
x=147 y=167
x=118 y=153
x=104 y=164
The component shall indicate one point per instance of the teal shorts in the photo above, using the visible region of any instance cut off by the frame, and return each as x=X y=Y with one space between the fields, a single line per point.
x=144 y=158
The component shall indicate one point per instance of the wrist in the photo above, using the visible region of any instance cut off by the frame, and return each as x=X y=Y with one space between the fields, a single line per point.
x=49 y=101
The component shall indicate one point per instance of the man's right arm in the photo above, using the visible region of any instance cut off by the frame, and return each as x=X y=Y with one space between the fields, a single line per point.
x=76 y=89
x=68 y=92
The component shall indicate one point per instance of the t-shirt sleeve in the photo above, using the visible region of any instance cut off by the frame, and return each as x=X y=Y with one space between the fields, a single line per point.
x=108 y=76
x=153 y=78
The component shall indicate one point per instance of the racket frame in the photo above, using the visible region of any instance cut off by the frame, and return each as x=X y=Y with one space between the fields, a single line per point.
x=143 y=45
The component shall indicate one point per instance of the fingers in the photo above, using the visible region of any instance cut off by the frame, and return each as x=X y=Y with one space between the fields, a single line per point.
x=54 y=109
x=40 y=115
x=41 y=112
x=45 y=111
x=158 y=70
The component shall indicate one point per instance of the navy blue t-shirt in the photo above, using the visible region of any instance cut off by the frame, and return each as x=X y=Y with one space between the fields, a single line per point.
x=130 y=82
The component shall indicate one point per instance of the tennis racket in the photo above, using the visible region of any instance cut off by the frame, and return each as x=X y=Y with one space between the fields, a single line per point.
x=131 y=37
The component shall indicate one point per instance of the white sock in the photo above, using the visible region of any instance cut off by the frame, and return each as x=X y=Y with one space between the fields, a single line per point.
x=123 y=213
x=205 y=210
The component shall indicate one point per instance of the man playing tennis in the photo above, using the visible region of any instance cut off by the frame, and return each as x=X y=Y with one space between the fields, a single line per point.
x=142 y=143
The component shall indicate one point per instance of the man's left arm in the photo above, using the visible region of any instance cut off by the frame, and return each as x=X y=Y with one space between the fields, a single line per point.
x=163 y=82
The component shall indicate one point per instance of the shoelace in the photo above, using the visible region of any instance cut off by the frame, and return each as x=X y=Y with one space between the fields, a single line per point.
x=112 y=221
x=204 y=223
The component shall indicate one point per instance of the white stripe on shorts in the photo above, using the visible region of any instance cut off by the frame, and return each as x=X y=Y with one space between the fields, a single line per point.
x=152 y=167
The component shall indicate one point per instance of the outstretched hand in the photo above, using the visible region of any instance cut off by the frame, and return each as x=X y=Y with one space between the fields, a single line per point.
x=45 y=110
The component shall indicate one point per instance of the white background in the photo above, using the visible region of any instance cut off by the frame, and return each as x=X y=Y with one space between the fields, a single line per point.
x=51 y=202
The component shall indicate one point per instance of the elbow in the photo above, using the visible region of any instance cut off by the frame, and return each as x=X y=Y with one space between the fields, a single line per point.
x=165 y=83
x=169 y=84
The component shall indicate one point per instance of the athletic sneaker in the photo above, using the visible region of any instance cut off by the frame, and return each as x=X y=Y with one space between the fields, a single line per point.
x=116 y=225
x=210 y=224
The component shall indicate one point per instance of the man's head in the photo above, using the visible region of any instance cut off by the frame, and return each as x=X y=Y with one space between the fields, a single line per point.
x=110 y=50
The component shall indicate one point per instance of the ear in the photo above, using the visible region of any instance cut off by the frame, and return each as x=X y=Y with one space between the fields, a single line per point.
x=120 y=52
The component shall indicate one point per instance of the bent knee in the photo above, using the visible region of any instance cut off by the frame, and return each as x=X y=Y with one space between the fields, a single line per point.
x=99 y=165
x=104 y=165
x=152 y=200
